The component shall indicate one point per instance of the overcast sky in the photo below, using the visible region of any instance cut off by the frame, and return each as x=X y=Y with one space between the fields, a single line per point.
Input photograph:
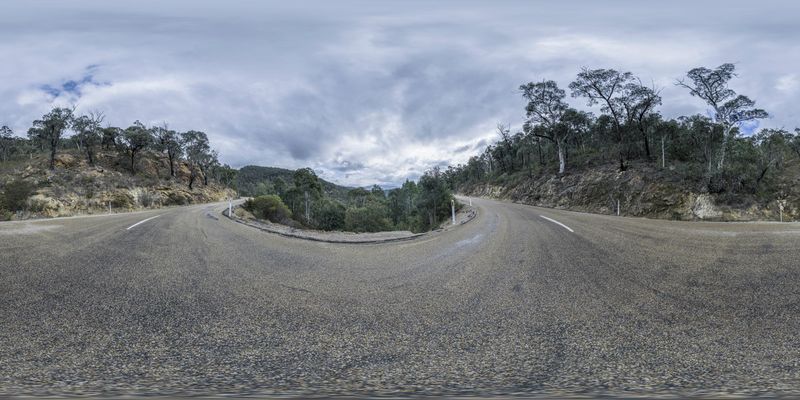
x=371 y=91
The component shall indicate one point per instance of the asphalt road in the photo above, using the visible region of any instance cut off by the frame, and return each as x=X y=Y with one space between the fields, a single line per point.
x=192 y=303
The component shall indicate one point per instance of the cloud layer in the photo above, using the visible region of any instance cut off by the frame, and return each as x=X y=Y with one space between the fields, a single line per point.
x=370 y=92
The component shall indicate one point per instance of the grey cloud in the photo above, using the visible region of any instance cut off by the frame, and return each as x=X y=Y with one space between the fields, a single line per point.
x=370 y=92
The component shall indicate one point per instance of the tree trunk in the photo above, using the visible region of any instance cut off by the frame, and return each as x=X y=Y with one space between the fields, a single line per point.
x=171 y=165
x=133 y=163
x=725 y=133
x=663 y=154
x=308 y=215
x=539 y=149
x=52 y=157
x=562 y=158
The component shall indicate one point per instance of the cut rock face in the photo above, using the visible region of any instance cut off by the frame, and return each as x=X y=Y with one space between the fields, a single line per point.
x=704 y=208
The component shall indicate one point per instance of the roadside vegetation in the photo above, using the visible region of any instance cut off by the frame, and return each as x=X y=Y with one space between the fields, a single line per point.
x=72 y=164
x=415 y=207
x=569 y=158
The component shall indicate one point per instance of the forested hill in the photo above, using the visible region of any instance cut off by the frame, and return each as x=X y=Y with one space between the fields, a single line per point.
x=253 y=180
x=624 y=156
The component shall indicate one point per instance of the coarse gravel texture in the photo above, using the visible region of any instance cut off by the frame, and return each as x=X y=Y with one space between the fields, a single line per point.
x=509 y=304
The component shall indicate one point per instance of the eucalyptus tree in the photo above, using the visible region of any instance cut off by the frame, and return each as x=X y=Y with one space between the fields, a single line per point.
x=168 y=142
x=110 y=136
x=198 y=151
x=794 y=142
x=640 y=103
x=89 y=133
x=6 y=142
x=730 y=109
x=49 y=130
x=609 y=88
x=546 y=108
x=133 y=141
x=771 y=146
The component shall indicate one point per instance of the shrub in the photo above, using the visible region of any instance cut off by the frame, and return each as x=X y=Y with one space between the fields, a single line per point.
x=15 y=195
x=268 y=207
x=370 y=218
x=148 y=199
x=329 y=215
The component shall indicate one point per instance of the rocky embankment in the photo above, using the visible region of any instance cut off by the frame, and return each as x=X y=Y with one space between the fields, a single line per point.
x=76 y=188
x=639 y=193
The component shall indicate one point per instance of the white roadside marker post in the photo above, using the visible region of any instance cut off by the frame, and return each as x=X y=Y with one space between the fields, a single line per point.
x=453 y=210
x=230 y=208
x=470 y=201
x=618 y=207
x=780 y=206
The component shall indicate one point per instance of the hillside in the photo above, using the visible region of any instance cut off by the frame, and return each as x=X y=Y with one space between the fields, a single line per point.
x=644 y=190
x=253 y=180
x=75 y=187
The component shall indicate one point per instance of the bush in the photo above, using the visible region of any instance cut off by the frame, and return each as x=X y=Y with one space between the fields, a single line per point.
x=269 y=207
x=15 y=195
x=370 y=218
x=329 y=215
x=148 y=199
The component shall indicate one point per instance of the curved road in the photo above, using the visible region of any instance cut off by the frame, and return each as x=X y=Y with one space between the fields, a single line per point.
x=190 y=302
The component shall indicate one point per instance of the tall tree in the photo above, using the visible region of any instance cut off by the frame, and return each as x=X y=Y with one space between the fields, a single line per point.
x=88 y=132
x=546 y=108
x=309 y=187
x=730 y=109
x=168 y=142
x=640 y=103
x=49 y=130
x=607 y=87
x=198 y=151
x=434 y=198
x=6 y=142
x=794 y=142
x=135 y=139
x=110 y=134
x=770 y=145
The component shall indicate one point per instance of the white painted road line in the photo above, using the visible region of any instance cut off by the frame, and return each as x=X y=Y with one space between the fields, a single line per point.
x=559 y=223
x=142 y=221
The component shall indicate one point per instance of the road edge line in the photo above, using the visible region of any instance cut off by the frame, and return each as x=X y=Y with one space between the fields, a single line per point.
x=559 y=223
x=142 y=221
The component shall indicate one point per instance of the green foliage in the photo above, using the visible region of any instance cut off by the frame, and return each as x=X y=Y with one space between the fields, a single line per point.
x=434 y=199
x=373 y=217
x=329 y=215
x=307 y=181
x=168 y=142
x=268 y=207
x=88 y=134
x=134 y=139
x=199 y=155
x=6 y=142
x=278 y=181
x=15 y=194
x=47 y=132
x=707 y=154
x=411 y=207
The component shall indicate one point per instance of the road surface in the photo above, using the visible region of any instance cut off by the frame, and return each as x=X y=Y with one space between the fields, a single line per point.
x=520 y=300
